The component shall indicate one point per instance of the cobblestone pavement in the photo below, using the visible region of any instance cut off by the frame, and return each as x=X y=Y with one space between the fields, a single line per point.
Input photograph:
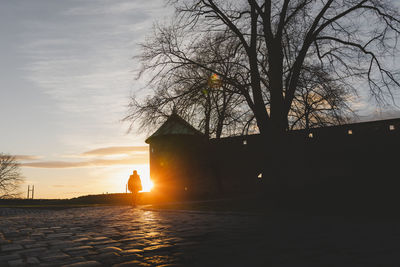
x=20 y=211
x=126 y=236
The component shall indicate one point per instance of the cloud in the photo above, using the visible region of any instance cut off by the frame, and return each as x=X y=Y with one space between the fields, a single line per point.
x=26 y=157
x=130 y=155
x=132 y=160
x=116 y=8
x=379 y=115
x=81 y=57
x=116 y=150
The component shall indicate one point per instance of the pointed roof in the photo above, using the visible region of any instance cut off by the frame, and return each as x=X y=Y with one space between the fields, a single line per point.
x=175 y=125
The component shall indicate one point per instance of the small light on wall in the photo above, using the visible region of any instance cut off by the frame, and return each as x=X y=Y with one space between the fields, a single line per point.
x=244 y=142
x=259 y=175
x=350 y=132
x=185 y=188
x=310 y=135
x=391 y=127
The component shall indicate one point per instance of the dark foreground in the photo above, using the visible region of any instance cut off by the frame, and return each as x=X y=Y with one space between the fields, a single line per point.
x=125 y=236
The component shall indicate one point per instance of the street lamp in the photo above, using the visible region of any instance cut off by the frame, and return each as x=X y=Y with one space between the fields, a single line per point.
x=214 y=81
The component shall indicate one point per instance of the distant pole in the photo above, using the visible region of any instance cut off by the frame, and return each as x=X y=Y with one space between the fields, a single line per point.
x=30 y=190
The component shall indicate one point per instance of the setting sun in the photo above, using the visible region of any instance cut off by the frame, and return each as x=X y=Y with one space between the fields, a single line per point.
x=120 y=178
x=147 y=185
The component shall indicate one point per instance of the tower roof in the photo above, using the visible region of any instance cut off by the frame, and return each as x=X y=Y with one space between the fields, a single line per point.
x=175 y=125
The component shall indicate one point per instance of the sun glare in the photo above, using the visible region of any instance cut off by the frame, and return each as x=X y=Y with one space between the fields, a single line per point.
x=143 y=170
x=147 y=185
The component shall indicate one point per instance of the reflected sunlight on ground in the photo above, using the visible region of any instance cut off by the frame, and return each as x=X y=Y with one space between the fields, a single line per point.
x=121 y=177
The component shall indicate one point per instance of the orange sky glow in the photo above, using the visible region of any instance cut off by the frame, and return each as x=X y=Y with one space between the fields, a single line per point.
x=103 y=170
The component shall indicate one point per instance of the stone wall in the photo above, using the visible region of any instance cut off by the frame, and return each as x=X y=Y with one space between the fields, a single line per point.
x=347 y=162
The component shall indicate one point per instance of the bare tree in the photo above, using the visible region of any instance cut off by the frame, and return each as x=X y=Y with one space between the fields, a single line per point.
x=275 y=41
x=10 y=176
x=320 y=101
x=186 y=89
x=223 y=110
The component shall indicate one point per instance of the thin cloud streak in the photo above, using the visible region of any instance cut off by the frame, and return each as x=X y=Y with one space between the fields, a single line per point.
x=132 y=155
x=26 y=157
x=133 y=160
x=116 y=150
x=115 y=9
x=380 y=115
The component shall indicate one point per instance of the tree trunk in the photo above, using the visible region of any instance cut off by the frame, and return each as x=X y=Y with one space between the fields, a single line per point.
x=207 y=116
x=306 y=116
x=277 y=109
x=220 y=125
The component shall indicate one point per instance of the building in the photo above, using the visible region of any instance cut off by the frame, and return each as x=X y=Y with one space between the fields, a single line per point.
x=356 y=159
x=177 y=152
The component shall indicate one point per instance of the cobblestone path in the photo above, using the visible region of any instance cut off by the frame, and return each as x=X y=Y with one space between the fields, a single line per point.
x=126 y=236
x=20 y=211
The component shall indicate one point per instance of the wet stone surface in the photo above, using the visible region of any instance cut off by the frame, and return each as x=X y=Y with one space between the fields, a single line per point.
x=126 y=236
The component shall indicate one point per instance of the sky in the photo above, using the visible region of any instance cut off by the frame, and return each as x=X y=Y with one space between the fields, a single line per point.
x=66 y=75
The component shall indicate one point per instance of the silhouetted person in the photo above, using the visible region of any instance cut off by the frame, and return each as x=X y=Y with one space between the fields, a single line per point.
x=134 y=186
